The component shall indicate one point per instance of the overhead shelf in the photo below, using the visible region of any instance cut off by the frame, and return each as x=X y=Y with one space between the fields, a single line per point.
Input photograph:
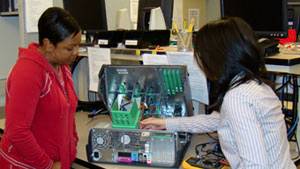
x=12 y=13
x=294 y=3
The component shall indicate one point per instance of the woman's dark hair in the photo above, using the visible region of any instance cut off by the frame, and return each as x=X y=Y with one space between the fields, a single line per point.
x=224 y=49
x=56 y=24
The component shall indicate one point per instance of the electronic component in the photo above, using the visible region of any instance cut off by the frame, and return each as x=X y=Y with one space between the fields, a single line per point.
x=130 y=94
x=197 y=163
x=143 y=147
x=158 y=90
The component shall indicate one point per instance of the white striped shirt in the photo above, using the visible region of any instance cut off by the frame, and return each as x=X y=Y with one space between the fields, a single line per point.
x=250 y=125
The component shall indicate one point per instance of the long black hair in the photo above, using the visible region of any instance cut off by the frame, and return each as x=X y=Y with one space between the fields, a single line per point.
x=226 y=48
x=56 y=24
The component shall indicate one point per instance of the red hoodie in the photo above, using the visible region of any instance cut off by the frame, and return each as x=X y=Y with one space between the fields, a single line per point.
x=40 y=123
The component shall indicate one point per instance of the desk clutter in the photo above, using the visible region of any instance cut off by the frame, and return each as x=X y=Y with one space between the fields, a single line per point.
x=292 y=48
x=208 y=156
x=132 y=93
x=198 y=163
x=130 y=38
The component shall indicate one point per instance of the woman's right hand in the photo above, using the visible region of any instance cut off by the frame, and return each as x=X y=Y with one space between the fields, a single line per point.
x=56 y=165
x=153 y=123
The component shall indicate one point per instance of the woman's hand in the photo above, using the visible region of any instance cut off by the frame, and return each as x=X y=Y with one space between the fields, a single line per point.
x=153 y=123
x=56 y=165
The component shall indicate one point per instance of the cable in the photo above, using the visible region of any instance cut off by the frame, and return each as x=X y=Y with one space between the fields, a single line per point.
x=98 y=112
x=203 y=150
x=209 y=155
x=212 y=137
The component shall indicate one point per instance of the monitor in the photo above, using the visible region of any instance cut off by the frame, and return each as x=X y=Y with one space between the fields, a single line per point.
x=91 y=14
x=268 y=18
x=144 y=12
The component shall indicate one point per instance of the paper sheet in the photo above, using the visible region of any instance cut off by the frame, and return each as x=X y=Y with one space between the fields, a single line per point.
x=134 y=5
x=97 y=57
x=33 y=10
x=151 y=59
x=198 y=81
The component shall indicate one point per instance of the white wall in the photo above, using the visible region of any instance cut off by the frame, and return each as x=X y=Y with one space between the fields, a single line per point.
x=26 y=38
x=213 y=10
x=9 y=42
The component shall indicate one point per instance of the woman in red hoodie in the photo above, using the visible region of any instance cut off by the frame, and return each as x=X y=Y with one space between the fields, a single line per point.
x=40 y=128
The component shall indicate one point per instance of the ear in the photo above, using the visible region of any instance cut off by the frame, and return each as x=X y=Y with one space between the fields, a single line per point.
x=48 y=46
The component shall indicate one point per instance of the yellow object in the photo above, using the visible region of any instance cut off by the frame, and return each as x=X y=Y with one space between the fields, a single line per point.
x=191 y=26
x=186 y=165
x=175 y=27
x=138 y=52
x=184 y=24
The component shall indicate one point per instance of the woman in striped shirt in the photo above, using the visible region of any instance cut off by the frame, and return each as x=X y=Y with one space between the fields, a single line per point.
x=247 y=114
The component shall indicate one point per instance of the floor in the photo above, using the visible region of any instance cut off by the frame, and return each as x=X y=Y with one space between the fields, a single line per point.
x=1 y=112
x=76 y=166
